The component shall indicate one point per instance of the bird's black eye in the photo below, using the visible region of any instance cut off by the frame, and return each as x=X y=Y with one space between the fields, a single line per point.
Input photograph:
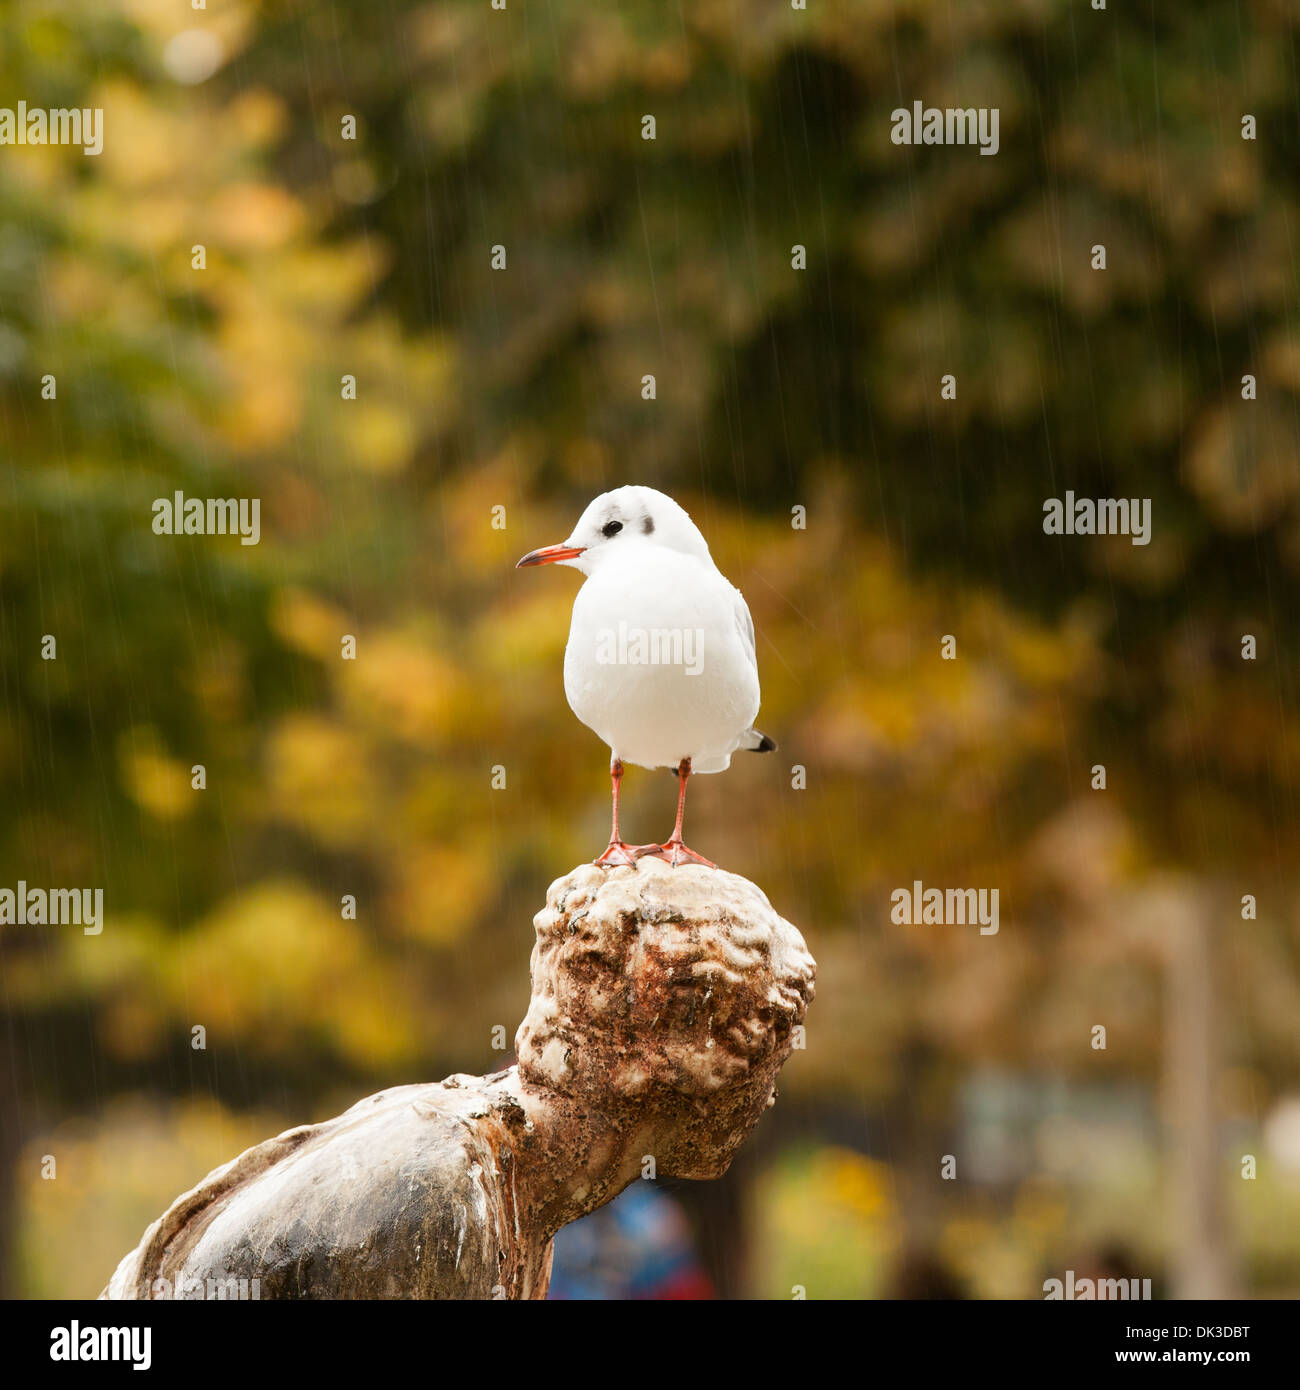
x=611 y=528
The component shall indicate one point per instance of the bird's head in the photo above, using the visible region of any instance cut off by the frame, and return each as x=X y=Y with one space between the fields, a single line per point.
x=627 y=516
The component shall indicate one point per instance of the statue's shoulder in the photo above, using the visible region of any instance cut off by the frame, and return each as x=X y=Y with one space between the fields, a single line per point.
x=414 y=1185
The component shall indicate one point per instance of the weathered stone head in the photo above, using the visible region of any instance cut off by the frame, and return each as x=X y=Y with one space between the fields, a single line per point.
x=670 y=995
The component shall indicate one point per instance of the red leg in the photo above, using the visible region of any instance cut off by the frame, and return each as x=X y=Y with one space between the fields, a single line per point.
x=673 y=849
x=618 y=852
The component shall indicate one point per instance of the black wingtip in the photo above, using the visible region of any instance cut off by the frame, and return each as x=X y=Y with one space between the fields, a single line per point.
x=766 y=744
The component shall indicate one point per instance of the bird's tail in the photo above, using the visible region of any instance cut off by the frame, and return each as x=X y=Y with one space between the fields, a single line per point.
x=758 y=743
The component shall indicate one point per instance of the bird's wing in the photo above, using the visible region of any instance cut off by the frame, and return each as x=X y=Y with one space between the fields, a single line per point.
x=745 y=626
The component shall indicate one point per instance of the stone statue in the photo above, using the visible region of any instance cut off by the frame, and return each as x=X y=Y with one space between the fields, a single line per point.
x=664 y=1003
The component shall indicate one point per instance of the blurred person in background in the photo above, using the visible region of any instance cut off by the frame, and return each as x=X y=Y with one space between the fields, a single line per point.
x=640 y=1246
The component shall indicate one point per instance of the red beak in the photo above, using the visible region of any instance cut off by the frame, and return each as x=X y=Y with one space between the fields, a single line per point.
x=549 y=554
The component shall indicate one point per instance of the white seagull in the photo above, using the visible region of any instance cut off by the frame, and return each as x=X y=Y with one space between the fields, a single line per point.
x=660 y=662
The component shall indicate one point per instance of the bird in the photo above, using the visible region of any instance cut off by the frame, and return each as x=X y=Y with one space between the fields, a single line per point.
x=660 y=662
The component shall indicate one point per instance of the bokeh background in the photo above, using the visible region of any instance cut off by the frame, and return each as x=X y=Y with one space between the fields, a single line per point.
x=776 y=389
